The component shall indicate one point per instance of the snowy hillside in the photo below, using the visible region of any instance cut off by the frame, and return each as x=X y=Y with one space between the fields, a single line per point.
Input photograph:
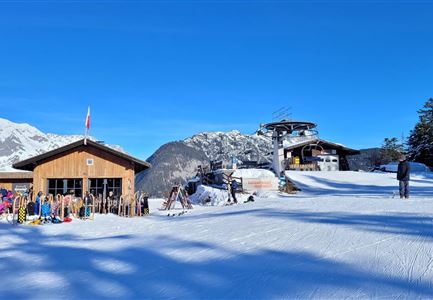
x=329 y=242
x=172 y=163
x=21 y=141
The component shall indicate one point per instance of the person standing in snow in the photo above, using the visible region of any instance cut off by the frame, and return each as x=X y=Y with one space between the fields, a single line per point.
x=111 y=203
x=233 y=187
x=3 y=192
x=38 y=202
x=403 y=176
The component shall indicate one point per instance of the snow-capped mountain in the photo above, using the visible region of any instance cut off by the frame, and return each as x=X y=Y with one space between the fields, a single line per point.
x=22 y=141
x=226 y=145
x=176 y=162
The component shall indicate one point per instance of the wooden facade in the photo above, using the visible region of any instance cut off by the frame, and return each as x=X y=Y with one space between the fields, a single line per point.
x=10 y=180
x=84 y=161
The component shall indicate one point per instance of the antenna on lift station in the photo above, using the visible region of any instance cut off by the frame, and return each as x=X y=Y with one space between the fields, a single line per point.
x=283 y=113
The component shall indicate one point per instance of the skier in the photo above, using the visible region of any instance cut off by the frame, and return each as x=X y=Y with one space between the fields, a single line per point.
x=110 y=200
x=112 y=203
x=89 y=200
x=3 y=192
x=233 y=187
x=45 y=209
x=38 y=202
x=29 y=192
x=403 y=176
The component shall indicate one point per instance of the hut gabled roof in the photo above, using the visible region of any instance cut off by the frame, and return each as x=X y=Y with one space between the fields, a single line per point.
x=30 y=163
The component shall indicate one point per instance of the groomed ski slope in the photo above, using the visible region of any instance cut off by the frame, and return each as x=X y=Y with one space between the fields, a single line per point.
x=358 y=183
x=329 y=243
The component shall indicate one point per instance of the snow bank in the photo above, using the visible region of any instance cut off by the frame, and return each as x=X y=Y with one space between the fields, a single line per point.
x=253 y=173
x=257 y=179
x=206 y=195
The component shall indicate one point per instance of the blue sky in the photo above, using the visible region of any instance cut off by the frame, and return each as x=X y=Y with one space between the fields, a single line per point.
x=154 y=72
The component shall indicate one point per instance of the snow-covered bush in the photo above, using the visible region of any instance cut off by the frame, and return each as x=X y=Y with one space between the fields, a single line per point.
x=206 y=195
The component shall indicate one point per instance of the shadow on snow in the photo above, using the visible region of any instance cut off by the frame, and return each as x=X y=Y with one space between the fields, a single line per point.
x=395 y=223
x=147 y=271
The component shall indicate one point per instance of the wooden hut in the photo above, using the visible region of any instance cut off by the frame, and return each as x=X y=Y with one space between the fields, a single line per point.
x=16 y=181
x=83 y=166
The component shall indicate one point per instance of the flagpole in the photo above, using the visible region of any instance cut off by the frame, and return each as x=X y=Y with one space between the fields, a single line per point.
x=85 y=132
x=87 y=125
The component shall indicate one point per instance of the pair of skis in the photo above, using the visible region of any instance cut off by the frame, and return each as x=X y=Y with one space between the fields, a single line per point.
x=19 y=211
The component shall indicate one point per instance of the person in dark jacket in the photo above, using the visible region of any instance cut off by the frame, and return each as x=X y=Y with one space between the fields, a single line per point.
x=233 y=188
x=403 y=176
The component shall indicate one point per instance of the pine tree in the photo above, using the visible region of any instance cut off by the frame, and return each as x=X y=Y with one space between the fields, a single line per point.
x=390 y=151
x=420 y=142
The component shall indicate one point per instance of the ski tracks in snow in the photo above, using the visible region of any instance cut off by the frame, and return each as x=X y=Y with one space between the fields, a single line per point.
x=272 y=248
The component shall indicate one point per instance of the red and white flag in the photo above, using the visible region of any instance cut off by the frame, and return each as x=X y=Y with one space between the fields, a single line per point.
x=88 y=119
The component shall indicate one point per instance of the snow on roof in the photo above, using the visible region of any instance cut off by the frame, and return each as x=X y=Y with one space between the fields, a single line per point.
x=253 y=173
x=305 y=141
x=298 y=140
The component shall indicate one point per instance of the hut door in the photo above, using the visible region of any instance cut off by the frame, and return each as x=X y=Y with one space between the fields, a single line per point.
x=102 y=186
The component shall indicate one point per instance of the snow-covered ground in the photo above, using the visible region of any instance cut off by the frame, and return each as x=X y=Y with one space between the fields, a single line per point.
x=359 y=184
x=344 y=236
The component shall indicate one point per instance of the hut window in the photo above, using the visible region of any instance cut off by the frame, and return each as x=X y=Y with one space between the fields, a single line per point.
x=64 y=186
x=89 y=161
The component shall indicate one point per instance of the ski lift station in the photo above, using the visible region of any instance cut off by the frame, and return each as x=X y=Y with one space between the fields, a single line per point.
x=297 y=146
